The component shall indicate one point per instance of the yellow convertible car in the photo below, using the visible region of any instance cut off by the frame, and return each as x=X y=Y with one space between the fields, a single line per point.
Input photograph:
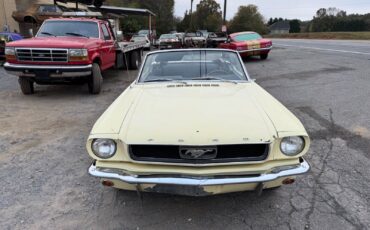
x=194 y=123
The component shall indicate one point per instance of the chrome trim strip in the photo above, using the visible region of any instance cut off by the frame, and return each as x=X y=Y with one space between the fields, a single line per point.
x=252 y=50
x=192 y=49
x=133 y=179
x=53 y=67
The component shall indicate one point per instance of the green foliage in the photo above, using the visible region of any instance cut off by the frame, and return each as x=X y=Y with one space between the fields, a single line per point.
x=248 y=19
x=164 y=20
x=295 y=26
x=184 y=23
x=333 y=19
x=208 y=16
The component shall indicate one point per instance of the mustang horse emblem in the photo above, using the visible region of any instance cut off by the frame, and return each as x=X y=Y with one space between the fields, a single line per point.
x=198 y=153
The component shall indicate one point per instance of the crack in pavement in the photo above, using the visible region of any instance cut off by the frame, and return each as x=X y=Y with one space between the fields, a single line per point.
x=304 y=75
x=332 y=131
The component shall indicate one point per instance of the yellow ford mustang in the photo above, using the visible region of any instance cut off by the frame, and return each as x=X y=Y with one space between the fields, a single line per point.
x=194 y=123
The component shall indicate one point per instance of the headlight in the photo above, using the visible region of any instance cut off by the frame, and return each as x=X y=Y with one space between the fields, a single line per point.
x=292 y=146
x=78 y=55
x=104 y=148
x=78 y=52
x=9 y=51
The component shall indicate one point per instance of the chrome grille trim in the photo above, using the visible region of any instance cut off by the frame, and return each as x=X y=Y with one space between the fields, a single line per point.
x=42 y=54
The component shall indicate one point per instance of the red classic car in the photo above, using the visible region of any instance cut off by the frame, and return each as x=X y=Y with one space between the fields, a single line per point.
x=248 y=44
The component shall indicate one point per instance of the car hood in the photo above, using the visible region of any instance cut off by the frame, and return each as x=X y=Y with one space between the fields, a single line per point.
x=55 y=42
x=198 y=114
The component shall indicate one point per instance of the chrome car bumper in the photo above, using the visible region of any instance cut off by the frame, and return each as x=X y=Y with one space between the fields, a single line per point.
x=276 y=173
x=50 y=70
x=254 y=50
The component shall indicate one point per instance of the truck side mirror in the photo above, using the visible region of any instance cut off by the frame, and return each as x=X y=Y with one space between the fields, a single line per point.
x=119 y=35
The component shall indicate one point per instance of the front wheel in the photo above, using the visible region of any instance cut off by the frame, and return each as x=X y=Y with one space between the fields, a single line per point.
x=135 y=60
x=95 y=80
x=26 y=85
x=264 y=56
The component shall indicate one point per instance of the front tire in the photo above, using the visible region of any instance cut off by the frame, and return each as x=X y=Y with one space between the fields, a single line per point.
x=26 y=85
x=135 y=60
x=264 y=56
x=95 y=80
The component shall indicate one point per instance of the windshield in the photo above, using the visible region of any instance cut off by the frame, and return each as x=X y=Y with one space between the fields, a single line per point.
x=69 y=28
x=193 y=65
x=167 y=36
x=138 y=37
x=247 y=37
x=143 y=32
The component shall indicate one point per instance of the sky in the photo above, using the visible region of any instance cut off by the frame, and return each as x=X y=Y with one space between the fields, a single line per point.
x=290 y=9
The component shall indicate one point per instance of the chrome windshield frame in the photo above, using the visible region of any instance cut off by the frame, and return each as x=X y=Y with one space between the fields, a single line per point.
x=248 y=80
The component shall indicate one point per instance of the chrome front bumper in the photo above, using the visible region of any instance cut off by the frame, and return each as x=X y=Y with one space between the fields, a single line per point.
x=25 y=70
x=276 y=173
x=254 y=50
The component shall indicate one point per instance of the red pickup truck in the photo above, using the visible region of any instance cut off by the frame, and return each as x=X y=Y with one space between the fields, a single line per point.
x=69 y=50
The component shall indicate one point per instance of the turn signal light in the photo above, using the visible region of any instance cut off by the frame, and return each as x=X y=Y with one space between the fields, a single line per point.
x=107 y=183
x=77 y=58
x=288 y=181
x=10 y=57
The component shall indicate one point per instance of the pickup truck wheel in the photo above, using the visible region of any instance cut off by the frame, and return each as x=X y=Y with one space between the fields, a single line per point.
x=135 y=60
x=264 y=56
x=95 y=80
x=26 y=85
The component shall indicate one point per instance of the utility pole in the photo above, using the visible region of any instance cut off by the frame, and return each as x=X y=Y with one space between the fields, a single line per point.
x=6 y=26
x=191 y=14
x=225 y=3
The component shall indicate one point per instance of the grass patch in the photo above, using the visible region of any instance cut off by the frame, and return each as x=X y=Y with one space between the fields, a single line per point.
x=325 y=35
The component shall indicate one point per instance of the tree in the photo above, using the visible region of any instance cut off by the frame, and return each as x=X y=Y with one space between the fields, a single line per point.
x=270 y=22
x=183 y=25
x=321 y=13
x=248 y=19
x=295 y=26
x=208 y=15
x=162 y=8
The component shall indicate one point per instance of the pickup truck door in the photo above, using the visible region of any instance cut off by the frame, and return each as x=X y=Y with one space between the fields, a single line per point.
x=108 y=51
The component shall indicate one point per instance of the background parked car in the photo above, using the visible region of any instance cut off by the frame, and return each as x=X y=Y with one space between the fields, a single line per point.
x=169 y=41
x=141 y=37
x=248 y=44
x=152 y=35
x=6 y=37
x=214 y=39
x=37 y=13
x=181 y=37
x=194 y=40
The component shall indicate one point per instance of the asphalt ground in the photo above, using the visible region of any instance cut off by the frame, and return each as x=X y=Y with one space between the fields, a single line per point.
x=43 y=161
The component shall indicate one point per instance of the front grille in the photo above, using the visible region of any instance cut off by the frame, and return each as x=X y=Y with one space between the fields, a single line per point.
x=222 y=154
x=42 y=55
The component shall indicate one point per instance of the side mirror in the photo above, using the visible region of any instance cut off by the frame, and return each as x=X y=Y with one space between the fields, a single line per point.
x=119 y=35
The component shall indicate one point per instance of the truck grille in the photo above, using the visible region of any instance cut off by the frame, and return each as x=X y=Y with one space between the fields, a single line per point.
x=42 y=55
x=212 y=154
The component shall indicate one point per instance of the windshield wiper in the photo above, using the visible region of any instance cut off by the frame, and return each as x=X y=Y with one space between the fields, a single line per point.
x=78 y=35
x=47 y=33
x=214 y=78
x=165 y=79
